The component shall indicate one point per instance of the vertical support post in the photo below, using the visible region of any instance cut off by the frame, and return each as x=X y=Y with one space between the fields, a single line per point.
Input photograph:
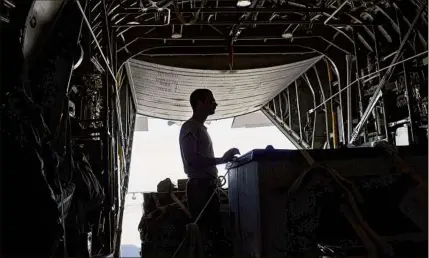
x=334 y=67
x=315 y=111
x=289 y=108
x=326 y=107
x=127 y=108
x=124 y=188
x=407 y=95
x=378 y=121
x=340 y=113
x=115 y=52
x=333 y=113
x=359 y=88
x=349 y=98
x=407 y=90
x=107 y=164
x=365 y=132
x=377 y=65
x=274 y=106
x=383 y=109
x=299 y=111
x=334 y=129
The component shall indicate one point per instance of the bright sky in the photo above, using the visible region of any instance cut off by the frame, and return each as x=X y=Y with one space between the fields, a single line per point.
x=156 y=156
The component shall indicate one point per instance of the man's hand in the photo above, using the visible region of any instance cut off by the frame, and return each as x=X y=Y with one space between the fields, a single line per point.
x=230 y=154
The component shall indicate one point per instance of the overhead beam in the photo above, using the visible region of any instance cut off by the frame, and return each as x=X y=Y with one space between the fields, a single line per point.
x=221 y=61
x=252 y=38
x=202 y=48
x=300 y=45
x=234 y=22
x=241 y=10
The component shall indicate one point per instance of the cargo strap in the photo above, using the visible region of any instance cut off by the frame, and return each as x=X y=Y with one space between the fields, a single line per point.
x=156 y=200
x=193 y=229
x=163 y=208
x=193 y=232
x=181 y=205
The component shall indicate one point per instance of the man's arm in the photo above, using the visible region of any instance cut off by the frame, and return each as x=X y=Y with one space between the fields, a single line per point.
x=192 y=157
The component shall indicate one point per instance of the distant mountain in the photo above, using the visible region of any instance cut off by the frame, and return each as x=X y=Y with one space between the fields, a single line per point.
x=130 y=251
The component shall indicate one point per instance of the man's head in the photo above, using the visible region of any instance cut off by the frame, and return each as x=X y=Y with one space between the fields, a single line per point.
x=203 y=102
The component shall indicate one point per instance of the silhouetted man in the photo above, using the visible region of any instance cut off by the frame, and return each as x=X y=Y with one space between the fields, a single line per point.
x=200 y=164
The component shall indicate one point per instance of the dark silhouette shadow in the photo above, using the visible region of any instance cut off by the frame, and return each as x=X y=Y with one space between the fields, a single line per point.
x=128 y=251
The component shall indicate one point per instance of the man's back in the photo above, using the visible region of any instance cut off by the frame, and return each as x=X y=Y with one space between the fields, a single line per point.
x=194 y=130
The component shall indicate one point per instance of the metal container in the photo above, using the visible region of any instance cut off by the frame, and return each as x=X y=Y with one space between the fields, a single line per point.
x=259 y=182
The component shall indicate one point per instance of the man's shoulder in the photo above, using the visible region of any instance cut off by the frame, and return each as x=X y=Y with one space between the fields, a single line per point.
x=187 y=123
x=190 y=126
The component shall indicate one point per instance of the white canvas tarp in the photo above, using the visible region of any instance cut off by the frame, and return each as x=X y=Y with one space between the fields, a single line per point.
x=163 y=91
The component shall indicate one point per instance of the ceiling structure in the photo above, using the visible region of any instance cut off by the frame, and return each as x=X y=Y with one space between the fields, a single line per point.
x=280 y=31
x=163 y=91
x=218 y=34
x=156 y=37
x=360 y=44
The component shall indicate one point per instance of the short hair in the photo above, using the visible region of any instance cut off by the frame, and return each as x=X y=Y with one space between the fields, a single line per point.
x=198 y=95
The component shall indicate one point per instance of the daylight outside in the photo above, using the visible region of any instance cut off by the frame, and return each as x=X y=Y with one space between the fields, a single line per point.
x=156 y=156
